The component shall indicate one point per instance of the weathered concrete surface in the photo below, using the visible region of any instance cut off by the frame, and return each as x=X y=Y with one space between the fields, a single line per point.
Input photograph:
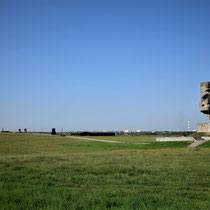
x=175 y=139
x=207 y=138
x=205 y=98
x=203 y=127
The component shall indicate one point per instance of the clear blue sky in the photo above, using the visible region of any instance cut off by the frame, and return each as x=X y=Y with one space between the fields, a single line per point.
x=103 y=64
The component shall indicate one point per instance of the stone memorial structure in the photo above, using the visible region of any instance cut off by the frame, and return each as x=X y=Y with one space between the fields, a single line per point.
x=205 y=107
x=205 y=98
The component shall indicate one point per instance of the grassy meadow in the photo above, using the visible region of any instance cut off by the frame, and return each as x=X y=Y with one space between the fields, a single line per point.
x=54 y=172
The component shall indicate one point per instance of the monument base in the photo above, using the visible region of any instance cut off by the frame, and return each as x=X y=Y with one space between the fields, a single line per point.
x=182 y=138
x=203 y=127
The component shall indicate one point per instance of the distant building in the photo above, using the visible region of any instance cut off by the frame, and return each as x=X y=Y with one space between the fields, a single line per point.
x=126 y=131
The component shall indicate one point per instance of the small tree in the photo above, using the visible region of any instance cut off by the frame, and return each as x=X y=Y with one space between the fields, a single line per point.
x=53 y=131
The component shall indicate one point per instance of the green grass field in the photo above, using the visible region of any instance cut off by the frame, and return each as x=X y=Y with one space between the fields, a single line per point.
x=44 y=172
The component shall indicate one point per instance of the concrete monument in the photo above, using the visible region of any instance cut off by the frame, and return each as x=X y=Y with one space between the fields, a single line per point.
x=205 y=107
x=205 y=98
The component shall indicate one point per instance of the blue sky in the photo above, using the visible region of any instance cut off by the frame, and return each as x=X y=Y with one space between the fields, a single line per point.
x=103 y=65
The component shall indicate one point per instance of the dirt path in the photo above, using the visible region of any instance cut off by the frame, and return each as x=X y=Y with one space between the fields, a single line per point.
x=200 y=141
x=90 y=139
x=100 y=140
x=197 y=143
